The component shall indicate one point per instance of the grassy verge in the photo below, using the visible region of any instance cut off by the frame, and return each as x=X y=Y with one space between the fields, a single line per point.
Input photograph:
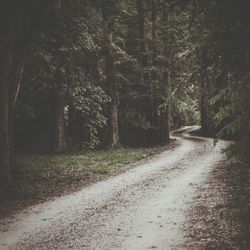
x=41 y=177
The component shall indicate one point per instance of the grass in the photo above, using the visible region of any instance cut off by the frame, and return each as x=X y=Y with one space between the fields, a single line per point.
x=45 y=176
x=99 y=162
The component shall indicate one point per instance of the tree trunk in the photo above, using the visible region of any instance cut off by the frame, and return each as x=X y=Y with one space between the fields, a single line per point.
x=111 y=85
x=204 y=105
x=143 y=58
x=5 y=164
x=167 y=111
x=165 y=125
x=16 y=20
x=15 y=82
x=72 y=130
x=10 y=77
x=204 y=111
x=59 y=130
x=11 y=56
x=153 y=80
x=153 y=31
x=141 y=32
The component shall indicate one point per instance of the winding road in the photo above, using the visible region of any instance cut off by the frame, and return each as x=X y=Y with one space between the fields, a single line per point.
x=143 y=208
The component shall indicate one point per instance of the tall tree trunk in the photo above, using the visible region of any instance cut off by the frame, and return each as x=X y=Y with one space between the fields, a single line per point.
x=10 y=77
x=207 y=112
x=141 y=31
x=153 y=30
x=5 y=164
x=165 y=119
x=59 y=129
x=59 y=126
x=204 y=106
x=144 y=60
x=15 y=82
x=72 y=130
x=167 y=111
x=153 y=80
x=17 y=21
x=111 y=85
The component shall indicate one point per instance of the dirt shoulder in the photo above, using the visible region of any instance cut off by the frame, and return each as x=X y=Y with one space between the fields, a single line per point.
x=219 y=215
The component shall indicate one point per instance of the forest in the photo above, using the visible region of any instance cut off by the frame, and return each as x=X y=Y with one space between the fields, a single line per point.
x=83 y=76
x=120 y=73
x=90 y=75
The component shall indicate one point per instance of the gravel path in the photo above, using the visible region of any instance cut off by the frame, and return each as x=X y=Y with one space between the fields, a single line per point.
x=143 y=208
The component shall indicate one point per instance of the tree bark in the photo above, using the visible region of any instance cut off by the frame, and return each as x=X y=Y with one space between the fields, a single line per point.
x=59 y=129
x=5 y=165
x=153 y=80
x=10 y=77
x=15 y=82
x=204 y=105
x=111 y=84
x=16 y=23
x=167 y=111
x=165 y=125
x=153 y=31
x=141 y=32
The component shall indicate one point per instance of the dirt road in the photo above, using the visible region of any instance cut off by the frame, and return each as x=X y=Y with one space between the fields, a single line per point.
x=143 y=208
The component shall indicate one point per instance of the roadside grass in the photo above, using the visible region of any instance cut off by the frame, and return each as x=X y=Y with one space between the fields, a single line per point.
x=42 y=177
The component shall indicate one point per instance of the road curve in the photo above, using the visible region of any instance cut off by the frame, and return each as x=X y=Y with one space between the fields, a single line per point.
x=142 y=208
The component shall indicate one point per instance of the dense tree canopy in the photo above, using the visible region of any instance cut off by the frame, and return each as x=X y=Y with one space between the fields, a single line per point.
x=121 y=73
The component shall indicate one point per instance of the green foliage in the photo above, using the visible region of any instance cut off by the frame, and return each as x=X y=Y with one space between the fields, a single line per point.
x=71 y=44
x=66 y=45
x=89 y=101
x=186 y=47
x=234 y=115
x=185 y=112
x=228 y=63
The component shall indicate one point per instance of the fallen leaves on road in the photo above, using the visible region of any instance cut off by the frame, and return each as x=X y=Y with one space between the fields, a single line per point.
x=215 y=218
